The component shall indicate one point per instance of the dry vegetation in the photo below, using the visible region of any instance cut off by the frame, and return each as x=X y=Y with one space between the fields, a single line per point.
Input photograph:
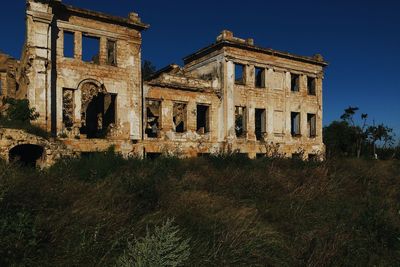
x=233 y=211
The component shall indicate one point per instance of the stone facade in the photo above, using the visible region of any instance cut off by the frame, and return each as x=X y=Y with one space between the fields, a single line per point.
x=258 y=99
x=81 y=71
x=8 y=84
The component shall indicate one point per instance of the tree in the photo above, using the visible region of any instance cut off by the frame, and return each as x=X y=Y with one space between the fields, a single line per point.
x=360 y=130
x=339 y=138
x=380 y=133
x=148 y=69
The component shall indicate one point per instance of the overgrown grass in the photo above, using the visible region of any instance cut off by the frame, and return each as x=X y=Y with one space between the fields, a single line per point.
x=234 y=211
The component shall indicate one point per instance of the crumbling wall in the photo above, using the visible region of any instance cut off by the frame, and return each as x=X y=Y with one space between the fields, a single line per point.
x=52 y=149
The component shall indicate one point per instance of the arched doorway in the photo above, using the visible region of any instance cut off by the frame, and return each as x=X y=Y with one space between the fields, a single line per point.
x=27 y=155
x=97 y=110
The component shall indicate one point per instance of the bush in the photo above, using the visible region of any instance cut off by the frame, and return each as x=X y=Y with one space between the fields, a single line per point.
x=19 y=116
x=19 y=110
x=164 y=247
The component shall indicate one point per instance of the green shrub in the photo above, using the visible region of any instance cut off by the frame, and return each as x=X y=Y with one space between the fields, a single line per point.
x=19 y=116
x=163 y=247
x=19 y=110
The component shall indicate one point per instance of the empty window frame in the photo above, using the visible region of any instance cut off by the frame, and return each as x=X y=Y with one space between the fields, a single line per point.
x=69 y=44
x=295 y=123
x=112 y=52
x=153 y=117
x=203 y=119
x=68 y=108
x=311 y=85
x=260 y=123
x=100 y=116
x=295 y=82
x=312 y=125
x=259 y=77
x=180 y=117
x=239 y=73
x=90 y=49
x=240 y=122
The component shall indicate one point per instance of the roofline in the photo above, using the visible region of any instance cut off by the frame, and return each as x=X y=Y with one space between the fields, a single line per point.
x=159 y=72
x=227 y=43
x=102 y=16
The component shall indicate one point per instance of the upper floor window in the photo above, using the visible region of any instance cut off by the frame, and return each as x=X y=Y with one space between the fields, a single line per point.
x=259 y=77
x=111 y=53
x=311 y=85
x=90 y=49
x=295 y=82
x=69 y=44
x=239 y=73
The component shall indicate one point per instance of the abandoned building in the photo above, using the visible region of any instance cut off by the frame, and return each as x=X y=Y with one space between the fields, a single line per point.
x=81 y=71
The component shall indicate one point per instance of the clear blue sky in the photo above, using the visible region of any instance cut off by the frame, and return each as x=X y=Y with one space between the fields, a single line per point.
x=360 y=40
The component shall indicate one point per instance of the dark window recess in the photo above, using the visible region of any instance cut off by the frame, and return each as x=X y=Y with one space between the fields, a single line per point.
x=240 y=122
x=312 y=157
x=180 y=117
x=295 y=82
x=259 y=123
x=203 y=113
x=99 y=115
x=297 y=156
x=295 y=123
x=69 y=44
x=16 y=87
x=312 y=125
x=153 y=110
x=111 y=53
x=90 y=49
x=311 y=85
x=259 y=77
x=239 y=74
x=153 y=156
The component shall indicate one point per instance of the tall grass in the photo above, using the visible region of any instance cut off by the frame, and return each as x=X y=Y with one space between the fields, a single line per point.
x=235 y=211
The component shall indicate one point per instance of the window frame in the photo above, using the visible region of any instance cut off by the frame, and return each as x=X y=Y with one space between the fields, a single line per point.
x=242 y=81
x=296 y=87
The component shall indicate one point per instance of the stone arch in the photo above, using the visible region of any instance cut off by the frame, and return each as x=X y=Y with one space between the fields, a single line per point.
x=90 y=88
x=29 y=155
x=96 y=106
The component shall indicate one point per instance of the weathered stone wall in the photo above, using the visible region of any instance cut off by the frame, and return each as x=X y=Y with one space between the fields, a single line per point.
x=186 y=111
x=170 y=89
x=275 y=96
x=52 y=149
x=49 y=71
x=8 y=84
